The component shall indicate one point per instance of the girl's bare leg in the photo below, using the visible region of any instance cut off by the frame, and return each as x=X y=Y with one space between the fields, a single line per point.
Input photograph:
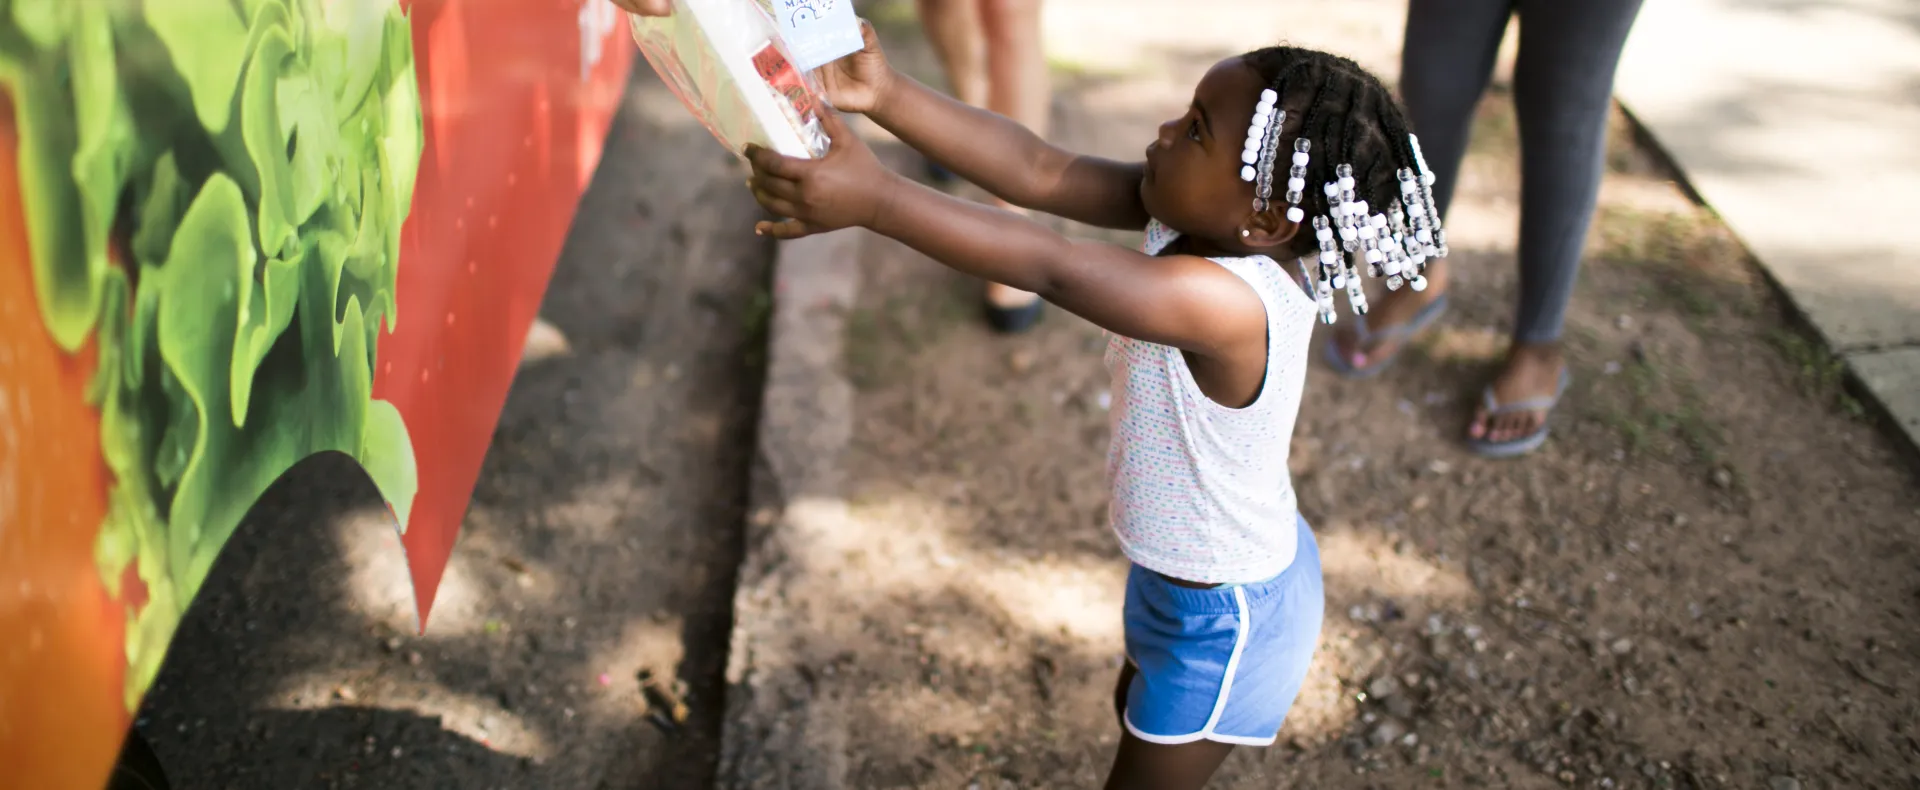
x=1140 y=765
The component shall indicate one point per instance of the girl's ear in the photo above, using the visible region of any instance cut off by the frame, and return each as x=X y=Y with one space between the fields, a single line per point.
x=1267 y=229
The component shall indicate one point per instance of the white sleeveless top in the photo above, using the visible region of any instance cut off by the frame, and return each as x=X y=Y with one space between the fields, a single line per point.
x=1200 y=491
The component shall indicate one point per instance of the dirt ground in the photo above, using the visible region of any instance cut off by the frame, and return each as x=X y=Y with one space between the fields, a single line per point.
x=602 y=541
x=1706 y=579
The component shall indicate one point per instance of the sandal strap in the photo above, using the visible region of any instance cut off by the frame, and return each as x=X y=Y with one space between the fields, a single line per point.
x=1547 y=403
x=1420 y=321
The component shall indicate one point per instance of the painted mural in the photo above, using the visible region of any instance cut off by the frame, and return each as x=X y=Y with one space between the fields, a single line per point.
x=235 y=234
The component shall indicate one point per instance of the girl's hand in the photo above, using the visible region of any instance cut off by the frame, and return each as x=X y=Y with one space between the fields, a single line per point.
x=646 y=7
x=846 y=187
x=857 y=82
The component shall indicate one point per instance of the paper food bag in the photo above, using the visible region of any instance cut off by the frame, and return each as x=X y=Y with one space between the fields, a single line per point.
x=729 y=65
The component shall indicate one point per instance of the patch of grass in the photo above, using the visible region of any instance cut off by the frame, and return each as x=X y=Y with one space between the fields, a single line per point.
x=891 y=334
x=1685 y=256
x=1664 y=412
x=864 y=349
x=1623 y=152
x=891 y=15
x=1495 y=129
x=753 y=317
x=1822 y=375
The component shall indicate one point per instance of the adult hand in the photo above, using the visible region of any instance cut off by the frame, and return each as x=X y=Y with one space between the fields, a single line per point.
x=858 y=82
x=846 y=187
x=646 y=7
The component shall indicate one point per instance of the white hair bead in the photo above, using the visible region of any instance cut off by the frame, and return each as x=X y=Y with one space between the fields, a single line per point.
x=1249 y=156
x=1379 y=220
x=1294 y=214
x=1391 y=267
x=1323 y=234
x=1296 y=184
x=1419 y=283
x=1365 y=231
x=1267 y=95
x=1301 y=158
x=1347 y=233
x=1346 y=182
x=1246 y=173
x=1423 y=235
x=1428 y=177
x=1374 y=256
x=1332 y=189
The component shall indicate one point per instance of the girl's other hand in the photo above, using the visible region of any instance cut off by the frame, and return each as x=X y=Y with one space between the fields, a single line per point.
x=846 y=187
x=646 y=7
x=857 y=82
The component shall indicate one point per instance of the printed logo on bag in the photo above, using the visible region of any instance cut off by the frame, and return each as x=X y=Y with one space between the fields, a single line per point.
x=779 y=73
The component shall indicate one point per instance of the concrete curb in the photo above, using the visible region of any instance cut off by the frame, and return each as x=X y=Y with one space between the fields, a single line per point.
x=1736 y=126
x=1887 y=379
x=783 y=729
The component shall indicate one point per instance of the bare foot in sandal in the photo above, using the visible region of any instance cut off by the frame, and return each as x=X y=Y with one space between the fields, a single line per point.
x=1367 y=344
x=1512 y=416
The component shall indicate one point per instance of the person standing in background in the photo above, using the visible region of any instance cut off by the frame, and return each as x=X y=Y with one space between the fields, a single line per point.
x=1562 y=91
x=993 y=57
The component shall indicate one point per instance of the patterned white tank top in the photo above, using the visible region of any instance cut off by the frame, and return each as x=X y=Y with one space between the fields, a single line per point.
x=1201 y=491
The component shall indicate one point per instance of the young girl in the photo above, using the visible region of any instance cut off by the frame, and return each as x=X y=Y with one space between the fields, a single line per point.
x=1209 y=339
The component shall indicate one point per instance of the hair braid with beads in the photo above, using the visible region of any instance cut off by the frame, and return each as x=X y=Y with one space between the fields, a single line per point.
x=1350 y=118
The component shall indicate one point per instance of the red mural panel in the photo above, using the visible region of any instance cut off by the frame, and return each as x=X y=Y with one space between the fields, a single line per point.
x=511 y=143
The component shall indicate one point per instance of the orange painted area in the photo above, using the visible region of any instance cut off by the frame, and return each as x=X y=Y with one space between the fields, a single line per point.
x=62 y=639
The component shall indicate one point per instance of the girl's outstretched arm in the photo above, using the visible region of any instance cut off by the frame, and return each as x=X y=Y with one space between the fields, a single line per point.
x=1001 y=156
x=1189 y=303
x=1009 y=160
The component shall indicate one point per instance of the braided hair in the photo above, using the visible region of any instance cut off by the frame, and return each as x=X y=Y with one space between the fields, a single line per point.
x=1350 y=119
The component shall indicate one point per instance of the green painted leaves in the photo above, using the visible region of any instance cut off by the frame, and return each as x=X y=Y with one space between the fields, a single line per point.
x=215 y=191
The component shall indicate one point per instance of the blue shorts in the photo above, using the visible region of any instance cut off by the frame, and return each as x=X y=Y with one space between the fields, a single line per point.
x=1223 y=664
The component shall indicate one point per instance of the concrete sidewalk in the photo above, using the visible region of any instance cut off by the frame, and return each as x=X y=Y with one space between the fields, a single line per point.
x=1796 y=121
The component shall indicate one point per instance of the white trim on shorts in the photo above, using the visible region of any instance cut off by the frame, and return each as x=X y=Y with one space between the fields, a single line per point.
x=1220 y=703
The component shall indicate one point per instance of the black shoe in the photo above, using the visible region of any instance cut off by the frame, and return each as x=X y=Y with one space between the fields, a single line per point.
x=1014 y=320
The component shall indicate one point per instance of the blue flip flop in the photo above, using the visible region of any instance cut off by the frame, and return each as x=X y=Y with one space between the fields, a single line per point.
x=1513 y=448
x=1420 y=322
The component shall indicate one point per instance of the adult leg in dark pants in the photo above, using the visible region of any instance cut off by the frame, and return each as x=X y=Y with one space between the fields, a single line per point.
x=1563 y=86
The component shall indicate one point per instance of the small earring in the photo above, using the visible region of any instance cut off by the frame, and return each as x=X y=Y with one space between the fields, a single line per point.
x=1245 y=233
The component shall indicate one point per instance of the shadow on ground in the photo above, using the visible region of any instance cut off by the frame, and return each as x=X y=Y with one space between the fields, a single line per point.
x=1704 y=579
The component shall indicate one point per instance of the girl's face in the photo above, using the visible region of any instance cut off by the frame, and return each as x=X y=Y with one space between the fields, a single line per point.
x=1192 y=182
